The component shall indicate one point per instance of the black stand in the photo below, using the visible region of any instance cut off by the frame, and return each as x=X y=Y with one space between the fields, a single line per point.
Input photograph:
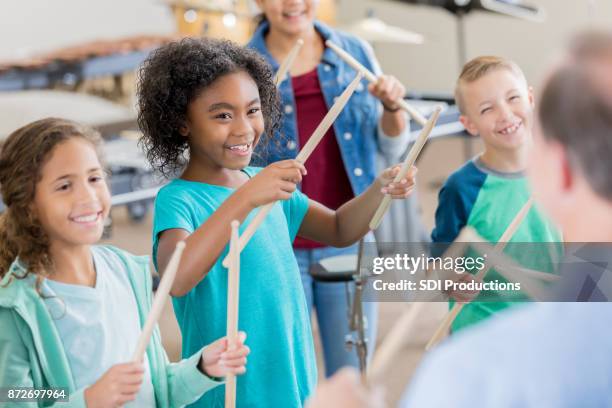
x=357 y=320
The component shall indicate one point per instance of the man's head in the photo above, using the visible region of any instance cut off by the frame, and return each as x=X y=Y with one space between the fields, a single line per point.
x=571 y=163
x=495 y=102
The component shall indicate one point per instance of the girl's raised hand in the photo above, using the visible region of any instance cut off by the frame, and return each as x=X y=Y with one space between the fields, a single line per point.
x=275 y=182
x=218 y=359
x=118 y=386
x=399 y=190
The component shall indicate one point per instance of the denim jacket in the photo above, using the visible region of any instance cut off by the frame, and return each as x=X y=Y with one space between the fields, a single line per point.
x=357 y=129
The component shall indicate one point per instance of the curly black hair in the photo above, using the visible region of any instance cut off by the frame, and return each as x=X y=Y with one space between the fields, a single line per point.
x=174 y=75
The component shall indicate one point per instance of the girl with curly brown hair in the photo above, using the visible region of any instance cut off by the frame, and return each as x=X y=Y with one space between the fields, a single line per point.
x=203 y=107
x=70 y=311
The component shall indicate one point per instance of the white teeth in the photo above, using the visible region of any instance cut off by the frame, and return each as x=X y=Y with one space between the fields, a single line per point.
x=241 y=147
x=510 y=129
x=293 y=14
x=86 y=218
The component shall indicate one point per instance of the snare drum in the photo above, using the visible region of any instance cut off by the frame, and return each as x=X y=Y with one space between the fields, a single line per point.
x=340 y=268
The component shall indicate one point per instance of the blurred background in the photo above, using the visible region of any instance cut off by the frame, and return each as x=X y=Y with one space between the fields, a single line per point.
x=78 y=59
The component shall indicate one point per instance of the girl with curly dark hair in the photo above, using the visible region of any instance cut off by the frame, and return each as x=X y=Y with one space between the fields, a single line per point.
x=203 y=106
x=371 y=124
x=70 y=311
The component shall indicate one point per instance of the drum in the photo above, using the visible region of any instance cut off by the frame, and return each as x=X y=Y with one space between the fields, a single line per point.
x=340 y=268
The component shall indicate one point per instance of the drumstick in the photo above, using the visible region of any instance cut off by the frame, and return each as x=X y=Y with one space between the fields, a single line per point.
x=287 y=62
x=513 y=272
x=233 y=291
x=328 y=120
x=406 y=165
x=302 y=156
x=529 y=279
x=163 y=291
x=393 y=342
x=501 y=244
x=348 y=58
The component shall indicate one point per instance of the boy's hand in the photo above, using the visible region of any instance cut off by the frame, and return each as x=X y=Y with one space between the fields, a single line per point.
x=464 y=296
x=397 y=190
x=344 y=389
x=118 y=386
x=388 y=89
x=275 y=182
x=218 y=359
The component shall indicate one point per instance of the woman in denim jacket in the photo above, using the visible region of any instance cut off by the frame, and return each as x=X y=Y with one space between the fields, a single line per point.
x=343 y=165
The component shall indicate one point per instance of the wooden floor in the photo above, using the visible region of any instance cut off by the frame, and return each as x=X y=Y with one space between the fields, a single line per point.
x=438 y=159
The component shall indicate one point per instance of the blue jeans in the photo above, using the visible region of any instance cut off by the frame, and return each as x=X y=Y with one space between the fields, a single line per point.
x=330 y=303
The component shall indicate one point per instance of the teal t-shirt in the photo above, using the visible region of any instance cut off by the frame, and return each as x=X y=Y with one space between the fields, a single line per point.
x=281 y=369
x=488 y=201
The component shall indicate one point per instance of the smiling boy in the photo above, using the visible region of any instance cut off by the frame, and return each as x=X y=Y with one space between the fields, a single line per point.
x=497 y=104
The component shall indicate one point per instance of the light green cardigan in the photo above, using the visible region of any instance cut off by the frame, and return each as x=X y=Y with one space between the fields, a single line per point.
x=32 y=354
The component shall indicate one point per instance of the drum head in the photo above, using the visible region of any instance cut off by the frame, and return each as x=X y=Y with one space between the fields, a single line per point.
x=339 y=268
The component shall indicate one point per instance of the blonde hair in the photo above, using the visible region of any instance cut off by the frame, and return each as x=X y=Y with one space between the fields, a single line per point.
x=478 y=68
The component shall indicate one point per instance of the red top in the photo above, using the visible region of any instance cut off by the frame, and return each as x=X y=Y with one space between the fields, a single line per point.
x=326 y=181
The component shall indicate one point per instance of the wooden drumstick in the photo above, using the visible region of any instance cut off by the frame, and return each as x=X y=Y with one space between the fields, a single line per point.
x=530 y=279
x=302 y=156
x=501 y=244
x=233 y=293
x=328 y=120
x=406 y=165
x=394 y=341
x=287 y=63
x=163 y=292
x=348 y=58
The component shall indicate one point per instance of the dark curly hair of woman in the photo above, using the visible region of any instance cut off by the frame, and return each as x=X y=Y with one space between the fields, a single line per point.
x=174 y=75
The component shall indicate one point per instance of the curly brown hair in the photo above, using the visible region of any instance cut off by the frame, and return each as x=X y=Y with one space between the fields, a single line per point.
x=175 y=74
x=22 y=157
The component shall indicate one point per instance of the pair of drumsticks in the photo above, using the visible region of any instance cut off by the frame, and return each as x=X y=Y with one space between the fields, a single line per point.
x=237 y=243
x=529 y=279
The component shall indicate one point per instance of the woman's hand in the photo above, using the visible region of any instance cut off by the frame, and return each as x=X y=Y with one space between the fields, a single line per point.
x=388 y=89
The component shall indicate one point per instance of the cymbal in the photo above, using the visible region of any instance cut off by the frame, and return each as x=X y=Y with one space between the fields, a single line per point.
x=511 y=8
x=515 y=8
x=373 y=29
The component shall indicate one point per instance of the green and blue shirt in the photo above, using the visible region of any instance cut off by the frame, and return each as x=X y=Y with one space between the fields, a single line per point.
x=488 y=200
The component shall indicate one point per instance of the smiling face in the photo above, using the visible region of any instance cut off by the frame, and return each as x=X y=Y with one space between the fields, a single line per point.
x=498 y=107
x=224 y=123
x=291 y=17
x=72 y=200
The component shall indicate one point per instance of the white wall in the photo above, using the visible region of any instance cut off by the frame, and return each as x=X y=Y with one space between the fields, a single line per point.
x=28 y=26
x=434 y=65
